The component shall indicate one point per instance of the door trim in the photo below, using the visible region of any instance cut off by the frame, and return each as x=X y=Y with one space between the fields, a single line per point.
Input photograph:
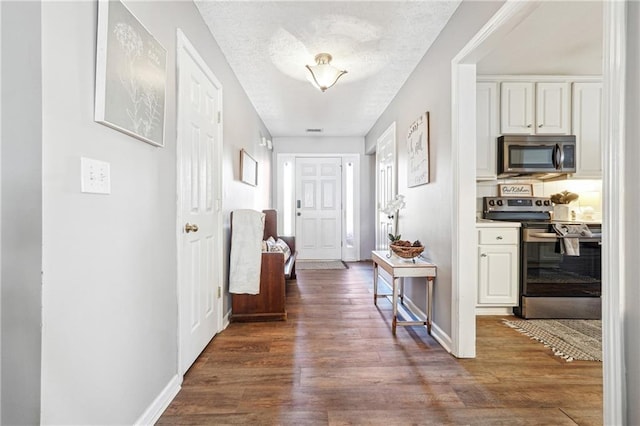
x=184 y=46
x=614 y=236
x=463 y=141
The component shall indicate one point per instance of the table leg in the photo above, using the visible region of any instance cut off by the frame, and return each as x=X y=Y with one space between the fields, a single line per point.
x=401 y=294
x=429 y=302
x=395 y=305
x=375 y=283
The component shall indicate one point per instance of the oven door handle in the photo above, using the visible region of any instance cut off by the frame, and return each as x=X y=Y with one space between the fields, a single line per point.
x=548 y=235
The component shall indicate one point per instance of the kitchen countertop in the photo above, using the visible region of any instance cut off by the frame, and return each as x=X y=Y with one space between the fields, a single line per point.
x=487 y=223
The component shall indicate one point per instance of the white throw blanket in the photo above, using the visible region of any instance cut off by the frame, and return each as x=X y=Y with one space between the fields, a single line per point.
x=246 y=252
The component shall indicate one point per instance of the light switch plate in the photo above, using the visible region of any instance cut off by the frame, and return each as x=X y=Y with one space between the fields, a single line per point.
x=95 y=176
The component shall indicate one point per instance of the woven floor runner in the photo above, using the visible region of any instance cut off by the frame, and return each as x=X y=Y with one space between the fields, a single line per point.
x=569 y=339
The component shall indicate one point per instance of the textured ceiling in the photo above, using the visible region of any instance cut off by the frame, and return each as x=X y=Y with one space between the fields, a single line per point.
x=379 y=43
x=558 y=37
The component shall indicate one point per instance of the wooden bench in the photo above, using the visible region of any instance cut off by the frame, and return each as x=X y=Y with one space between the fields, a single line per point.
x=270 y=303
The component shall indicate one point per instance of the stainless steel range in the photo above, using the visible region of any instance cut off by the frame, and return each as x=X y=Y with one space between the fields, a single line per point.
x=554 y=282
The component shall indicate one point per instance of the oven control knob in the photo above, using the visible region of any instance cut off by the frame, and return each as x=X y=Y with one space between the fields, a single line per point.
x=547 y=202
x=538 y=203
x=492 y=203
x=499 y=202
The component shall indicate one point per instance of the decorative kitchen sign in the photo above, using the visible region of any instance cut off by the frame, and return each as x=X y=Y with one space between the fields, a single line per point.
x=515 y=190
x=131 y=68
x=418 y=147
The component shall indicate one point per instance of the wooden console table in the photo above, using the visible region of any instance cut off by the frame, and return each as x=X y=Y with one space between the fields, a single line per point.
x=401 y=268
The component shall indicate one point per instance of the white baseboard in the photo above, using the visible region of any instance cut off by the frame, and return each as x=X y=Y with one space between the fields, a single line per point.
x=162 y=401
x=436 y=332
x=441 y=337
x=225 y=320
x=494 y=310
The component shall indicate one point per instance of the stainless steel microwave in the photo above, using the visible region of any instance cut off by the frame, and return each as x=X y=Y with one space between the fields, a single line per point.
x=522 y=155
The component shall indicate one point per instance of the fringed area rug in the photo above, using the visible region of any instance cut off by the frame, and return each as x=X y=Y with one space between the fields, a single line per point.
x=570 y=339
x=319 y=264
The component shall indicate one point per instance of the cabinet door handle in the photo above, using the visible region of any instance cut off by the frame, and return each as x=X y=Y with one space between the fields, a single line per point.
x=498 y=237
x=540 y=125
x=528 y=126
x=483 y=255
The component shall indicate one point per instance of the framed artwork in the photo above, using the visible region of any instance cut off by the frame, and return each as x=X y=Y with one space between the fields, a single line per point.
x=418 y=148
x=131 y=69
x=515 y=190
x=248 y=168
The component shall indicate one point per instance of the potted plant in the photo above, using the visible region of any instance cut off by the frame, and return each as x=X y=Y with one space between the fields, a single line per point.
x=561 y=200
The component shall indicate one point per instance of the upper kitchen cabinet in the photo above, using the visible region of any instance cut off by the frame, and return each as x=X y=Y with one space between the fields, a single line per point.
x=539 y=105
x=516 y=108
x=487 y=129
x=587 y=126
x=530 y=108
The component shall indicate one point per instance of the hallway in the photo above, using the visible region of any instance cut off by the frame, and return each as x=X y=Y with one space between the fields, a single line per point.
x=335 y=362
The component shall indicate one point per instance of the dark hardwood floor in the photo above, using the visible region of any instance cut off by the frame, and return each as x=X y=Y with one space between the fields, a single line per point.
x=335 y=362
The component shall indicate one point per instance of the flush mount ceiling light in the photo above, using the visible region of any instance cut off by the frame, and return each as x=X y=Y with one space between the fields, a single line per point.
x=323 y=74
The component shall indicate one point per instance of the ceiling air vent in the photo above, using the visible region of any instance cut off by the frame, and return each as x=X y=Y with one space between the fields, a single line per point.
x=314 y=130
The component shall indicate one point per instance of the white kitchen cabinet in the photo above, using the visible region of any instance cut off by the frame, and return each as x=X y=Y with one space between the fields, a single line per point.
x=535 y=108
x=498 y=265
x=553 y=108
x=587 y=126
x=516 y=108
x=487 y=129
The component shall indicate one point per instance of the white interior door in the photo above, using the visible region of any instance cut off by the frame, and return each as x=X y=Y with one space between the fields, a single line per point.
x=199 y=216
x=385 y=185
x=319 y=208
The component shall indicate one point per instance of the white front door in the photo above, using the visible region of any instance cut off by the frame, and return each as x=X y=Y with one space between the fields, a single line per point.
x=385 y=185
x=199 y=216
x=319 y=208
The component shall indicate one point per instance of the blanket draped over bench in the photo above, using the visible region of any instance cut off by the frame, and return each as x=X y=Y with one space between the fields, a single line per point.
x=269 y=303
x=246 y=251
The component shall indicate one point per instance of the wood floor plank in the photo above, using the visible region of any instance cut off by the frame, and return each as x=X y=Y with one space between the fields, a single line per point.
x=335 y=362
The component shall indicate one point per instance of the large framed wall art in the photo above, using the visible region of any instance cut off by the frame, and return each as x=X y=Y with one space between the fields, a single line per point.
x=418 y=148
x=131 y=69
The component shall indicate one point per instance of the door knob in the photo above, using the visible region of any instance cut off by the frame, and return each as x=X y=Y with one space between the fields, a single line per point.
x=190 y=228
x=299 y=214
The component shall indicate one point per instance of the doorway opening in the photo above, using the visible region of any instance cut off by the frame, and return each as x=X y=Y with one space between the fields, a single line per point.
x=320 y=203
x=463 y=144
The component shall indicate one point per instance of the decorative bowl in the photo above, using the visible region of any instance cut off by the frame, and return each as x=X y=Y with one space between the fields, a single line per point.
x=406 y=252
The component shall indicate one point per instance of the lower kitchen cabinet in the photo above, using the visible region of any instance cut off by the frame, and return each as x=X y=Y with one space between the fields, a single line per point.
x=498 y=267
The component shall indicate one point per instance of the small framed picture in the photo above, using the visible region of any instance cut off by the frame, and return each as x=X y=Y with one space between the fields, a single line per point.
x=418 y=149
x=515 y=190
x=248 y=169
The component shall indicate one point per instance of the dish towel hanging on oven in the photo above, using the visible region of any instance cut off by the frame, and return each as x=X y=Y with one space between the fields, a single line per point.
x=570 y=237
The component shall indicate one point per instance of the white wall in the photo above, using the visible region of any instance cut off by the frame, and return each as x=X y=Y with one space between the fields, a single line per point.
x=339 y=145
x=631 y=313
x=0 y=214
x=21 y=191
x=428 y=215
x=109 y=269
